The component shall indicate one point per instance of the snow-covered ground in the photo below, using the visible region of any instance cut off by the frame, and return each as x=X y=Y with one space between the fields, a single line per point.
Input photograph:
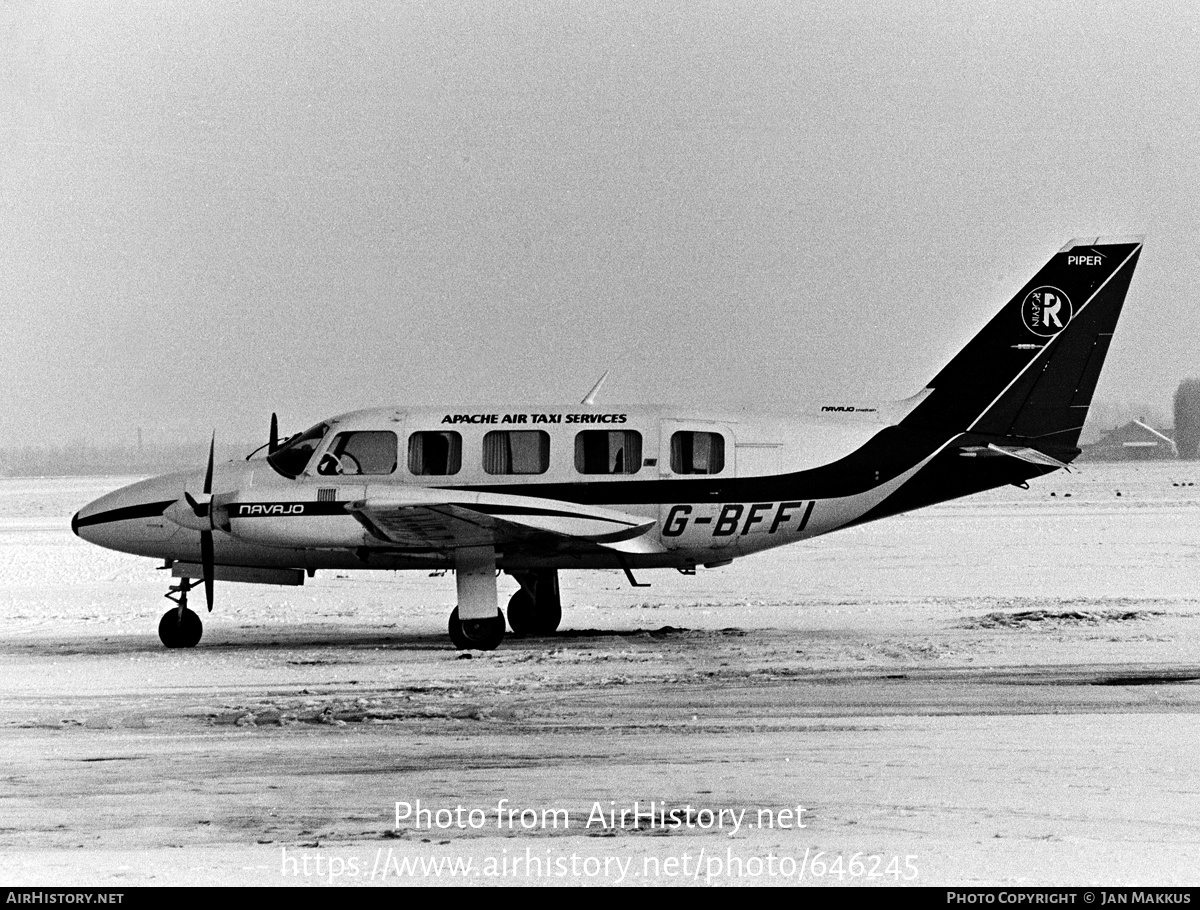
x=1002 y=688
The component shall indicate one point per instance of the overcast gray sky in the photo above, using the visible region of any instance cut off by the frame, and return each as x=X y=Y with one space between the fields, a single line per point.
x=209 y=211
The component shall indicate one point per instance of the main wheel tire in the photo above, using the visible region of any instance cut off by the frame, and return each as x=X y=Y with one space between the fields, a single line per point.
x=527 y=616
x=548 y=619
x=476 y=634
x=180 y=628
x=547 y=604
x=522 y=617
x=456 y=634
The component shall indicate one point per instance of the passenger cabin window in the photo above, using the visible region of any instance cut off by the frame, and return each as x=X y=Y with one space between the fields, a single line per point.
x=608 y=451
x=362 y=452
x=292 y=457
x=697 y=453
x=516 y=452
x=434 y=453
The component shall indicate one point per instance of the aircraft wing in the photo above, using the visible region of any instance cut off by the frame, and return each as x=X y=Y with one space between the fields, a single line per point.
x=423 y=519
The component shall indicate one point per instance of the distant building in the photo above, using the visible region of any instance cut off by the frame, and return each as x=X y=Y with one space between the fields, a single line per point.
x=1135 y=441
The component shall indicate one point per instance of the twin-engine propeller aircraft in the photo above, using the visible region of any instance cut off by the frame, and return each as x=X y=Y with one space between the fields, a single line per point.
x=532 y=490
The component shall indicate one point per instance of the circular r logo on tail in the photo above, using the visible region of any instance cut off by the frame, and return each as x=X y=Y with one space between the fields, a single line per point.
x=1046 y=311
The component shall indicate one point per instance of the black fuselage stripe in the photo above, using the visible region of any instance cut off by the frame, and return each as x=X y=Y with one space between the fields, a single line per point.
x=125 y=513
x=302 y=509
x=885 y=456
x=288 y=509
x=891 y=452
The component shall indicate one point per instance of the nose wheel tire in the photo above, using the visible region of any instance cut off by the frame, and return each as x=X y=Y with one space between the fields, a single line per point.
x=476 y=634
x=180 y=628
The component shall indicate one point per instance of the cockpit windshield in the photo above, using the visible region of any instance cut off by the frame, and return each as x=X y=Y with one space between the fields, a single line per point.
x=291 y=458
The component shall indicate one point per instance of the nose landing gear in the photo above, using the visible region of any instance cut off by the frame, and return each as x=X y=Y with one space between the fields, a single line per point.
x=179 y=626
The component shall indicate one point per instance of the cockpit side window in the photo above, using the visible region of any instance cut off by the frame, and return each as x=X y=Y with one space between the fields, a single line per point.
x=291 y=458
x=362 y=452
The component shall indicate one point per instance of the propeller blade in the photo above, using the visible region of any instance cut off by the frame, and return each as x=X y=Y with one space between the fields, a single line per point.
x=200 y=508
x=208 y=474
x=274 y=443
x=207 y=560
x=207 y=563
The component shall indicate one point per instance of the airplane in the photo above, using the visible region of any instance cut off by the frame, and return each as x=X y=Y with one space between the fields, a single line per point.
x=535 y=490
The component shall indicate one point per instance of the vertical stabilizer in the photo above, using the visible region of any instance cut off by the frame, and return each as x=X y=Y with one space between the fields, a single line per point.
x=1030 y=373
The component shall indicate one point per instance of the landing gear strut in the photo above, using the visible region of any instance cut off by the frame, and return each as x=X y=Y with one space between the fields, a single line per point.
x=179 y=626
x=536 y=609
x=480 y=627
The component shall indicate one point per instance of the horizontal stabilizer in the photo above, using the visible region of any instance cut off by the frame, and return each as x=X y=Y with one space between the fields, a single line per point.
x=1033 y=456
x=1163 y=436
x=1021 y=453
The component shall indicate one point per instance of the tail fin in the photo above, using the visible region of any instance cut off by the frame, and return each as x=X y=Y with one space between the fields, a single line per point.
x=1030 y=374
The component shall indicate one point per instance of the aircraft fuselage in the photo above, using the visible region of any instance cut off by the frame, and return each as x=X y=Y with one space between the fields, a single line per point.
x=779 y=481
x=532 y=490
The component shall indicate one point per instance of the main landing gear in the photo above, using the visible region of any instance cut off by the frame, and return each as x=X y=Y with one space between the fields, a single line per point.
x=536 y=609
x=179 y=626
x=477 y=623
x=476 y=634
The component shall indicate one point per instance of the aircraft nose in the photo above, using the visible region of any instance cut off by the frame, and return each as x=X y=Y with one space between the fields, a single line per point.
x=130 y=518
